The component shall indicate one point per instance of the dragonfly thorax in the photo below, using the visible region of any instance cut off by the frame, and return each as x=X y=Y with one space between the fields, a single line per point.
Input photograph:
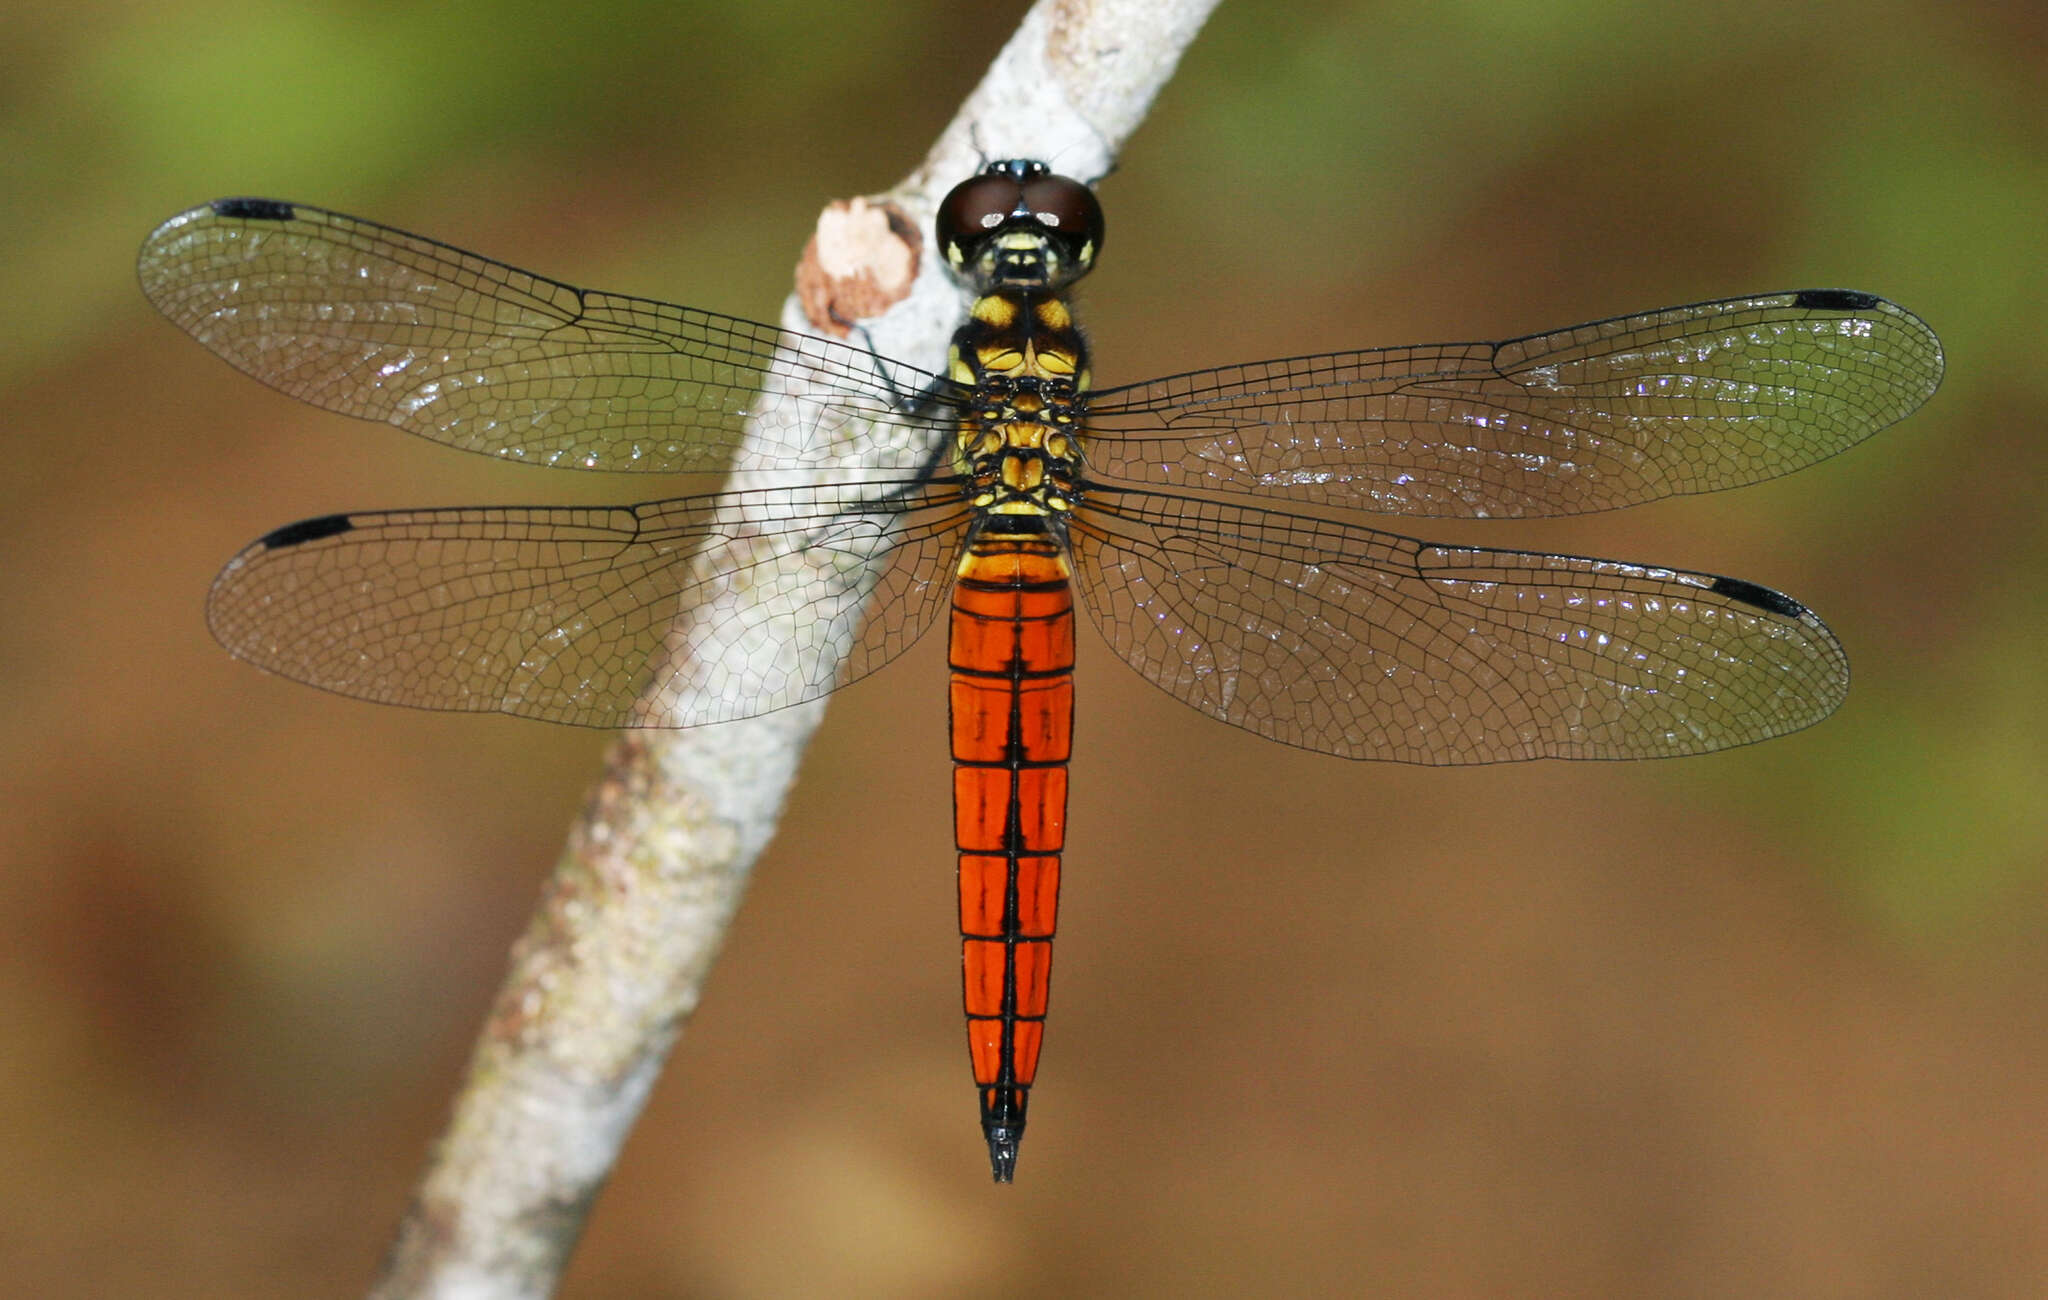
x=1026 y=366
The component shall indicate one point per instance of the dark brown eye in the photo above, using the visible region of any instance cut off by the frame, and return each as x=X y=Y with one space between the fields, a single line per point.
x=1020 y=194
x=976 y=206
x=1066 y=206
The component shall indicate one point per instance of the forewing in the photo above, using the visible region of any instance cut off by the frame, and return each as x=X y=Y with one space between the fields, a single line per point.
x=374 y=322
x=1365 y=644
x=667 y=614
x=1597 y=416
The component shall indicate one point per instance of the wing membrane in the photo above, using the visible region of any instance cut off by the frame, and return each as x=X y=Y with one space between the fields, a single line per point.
x=373 y=322
x=1365 y=644
x=671 y=613
x=1593 y=417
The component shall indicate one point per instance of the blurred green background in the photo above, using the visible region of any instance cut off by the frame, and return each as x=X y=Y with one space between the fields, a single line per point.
x=1765 y=1023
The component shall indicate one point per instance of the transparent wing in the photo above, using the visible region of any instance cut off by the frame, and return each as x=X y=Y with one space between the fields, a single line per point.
x=373 y=322
x=1597 y=416
x=666 y=614
x=1365 y=644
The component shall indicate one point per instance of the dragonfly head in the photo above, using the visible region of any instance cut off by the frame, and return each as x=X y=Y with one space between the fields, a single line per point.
x=1018 y=226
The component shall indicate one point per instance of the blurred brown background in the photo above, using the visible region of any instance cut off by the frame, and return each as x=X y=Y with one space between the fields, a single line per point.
x=1765 y=1023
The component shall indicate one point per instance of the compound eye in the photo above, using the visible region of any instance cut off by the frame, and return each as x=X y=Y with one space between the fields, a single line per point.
x=975 y=207
x=1066 y=206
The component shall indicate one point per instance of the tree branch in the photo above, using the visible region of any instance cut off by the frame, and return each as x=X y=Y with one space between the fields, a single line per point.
x=628 y=924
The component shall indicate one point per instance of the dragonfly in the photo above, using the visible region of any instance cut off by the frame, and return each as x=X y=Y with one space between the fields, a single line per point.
x=1204 y=519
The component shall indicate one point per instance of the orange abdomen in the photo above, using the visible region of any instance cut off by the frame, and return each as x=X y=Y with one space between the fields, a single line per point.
x=1012 y=659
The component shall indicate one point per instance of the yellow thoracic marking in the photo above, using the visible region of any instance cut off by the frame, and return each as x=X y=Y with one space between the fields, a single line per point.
x=995 y=311
x=1053 y=314
x=1014 y=506
x=1023 y=473
x=1055 y=362
x=957 y=368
